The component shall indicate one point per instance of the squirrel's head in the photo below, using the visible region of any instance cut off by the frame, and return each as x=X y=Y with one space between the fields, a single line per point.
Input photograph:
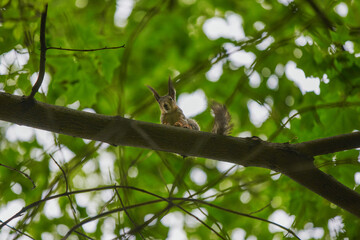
x=167 y=103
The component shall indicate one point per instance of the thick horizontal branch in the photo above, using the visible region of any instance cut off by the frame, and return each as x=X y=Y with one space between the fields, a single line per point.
x=329 y=145
x=293 y=160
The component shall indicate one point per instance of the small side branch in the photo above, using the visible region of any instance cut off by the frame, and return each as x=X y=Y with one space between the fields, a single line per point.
x=40 y=78
x=24 y=174
x=84 y=50
x=330 y=144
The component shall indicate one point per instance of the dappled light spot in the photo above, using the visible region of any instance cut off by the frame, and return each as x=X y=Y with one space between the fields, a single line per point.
x=52 y=209
x=198 y=176
x=357 y=178
x=258 y=25
x=254 y=79
x=225 y=166
x=19 y=133
x=16 y=188
x=245 y=197
x=230 y=27
x=209 y=195
x=175 y=222
x=193 y=103
x=62 y=229
x=89 y=166
x=123 y=11
x=349 y=46
x=215 y=72
x=82 y=199
x=286 y=122
x=303 y=40
x=189 y=193
x=64 y=154
x=336 y=226
x=45 y=138
x=133 y=172
x=45 y=83
x=108 y=228
x=47 y=236
x=245 y=134
x=148 y=217
x=238 y=234
x=81 y=3
x=273 y=82
x=170 y=186
x=14 y=60
x=265 y=43
x=258 y=113
x=310 y=232
x=90 y=227
x=297 y=75
x=342 y=9
x=241 y=58
x=107 y=195
x=282 y=218
x=106 y=164
x=11 y=207
x=192 y=222
x=75 y=105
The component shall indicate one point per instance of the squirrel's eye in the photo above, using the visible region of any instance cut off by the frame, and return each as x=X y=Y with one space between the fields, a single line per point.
x=171 y=98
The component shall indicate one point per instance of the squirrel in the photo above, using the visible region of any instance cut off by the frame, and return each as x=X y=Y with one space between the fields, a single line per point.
x=171 y=113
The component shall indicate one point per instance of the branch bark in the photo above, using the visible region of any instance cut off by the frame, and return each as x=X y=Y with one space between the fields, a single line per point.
x=293 y=160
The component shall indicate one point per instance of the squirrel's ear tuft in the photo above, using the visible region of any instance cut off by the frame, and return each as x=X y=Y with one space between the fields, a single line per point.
x=172 y=91
x=156 y=95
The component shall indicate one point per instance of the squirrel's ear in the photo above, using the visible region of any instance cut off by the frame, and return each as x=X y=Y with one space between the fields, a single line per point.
x=156 y=95
x=172 y=91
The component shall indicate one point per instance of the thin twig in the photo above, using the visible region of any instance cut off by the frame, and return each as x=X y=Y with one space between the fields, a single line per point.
x=42 y=54
x=66 y=189
x=237 y=213
x=63 y=172
x=168 y=200
x=18 y=231
x=24 y=174
x=127 y=213
x=201 y=221
x=84 y=235
x=90 y=219
x=84 y=50
x=147 y=222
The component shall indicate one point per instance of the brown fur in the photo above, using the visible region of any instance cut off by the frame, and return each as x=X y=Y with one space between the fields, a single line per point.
x=171 y=114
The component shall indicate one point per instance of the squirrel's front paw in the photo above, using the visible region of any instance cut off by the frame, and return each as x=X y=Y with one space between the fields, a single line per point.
x=178 y=124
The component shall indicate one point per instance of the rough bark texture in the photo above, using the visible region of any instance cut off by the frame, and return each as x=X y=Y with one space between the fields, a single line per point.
x=293 y=160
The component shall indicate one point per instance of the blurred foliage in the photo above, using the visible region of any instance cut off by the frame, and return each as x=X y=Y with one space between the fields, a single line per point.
x=165 y=38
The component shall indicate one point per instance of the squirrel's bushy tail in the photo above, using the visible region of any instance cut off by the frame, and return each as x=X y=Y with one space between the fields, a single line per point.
x=222 y=123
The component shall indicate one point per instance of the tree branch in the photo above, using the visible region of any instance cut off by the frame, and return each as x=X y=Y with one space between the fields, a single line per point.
x=24 y=174
x=42 y=54
x=293 y=160
x=329 y=145
x=85 y=50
